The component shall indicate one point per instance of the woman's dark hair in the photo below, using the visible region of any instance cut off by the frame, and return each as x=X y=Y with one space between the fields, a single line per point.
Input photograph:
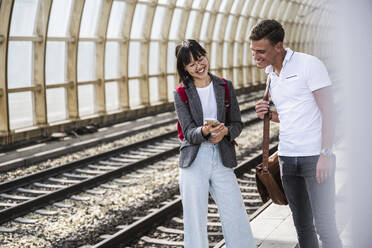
x=268 y=29
x=184 y=51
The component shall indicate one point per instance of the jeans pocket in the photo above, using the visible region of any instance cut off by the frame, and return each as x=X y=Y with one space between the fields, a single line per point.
x=288 y=166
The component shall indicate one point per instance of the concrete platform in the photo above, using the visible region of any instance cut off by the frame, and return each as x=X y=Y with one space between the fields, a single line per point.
x=274 y=228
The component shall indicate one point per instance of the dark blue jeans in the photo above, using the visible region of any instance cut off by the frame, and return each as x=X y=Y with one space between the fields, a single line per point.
x=310 y=202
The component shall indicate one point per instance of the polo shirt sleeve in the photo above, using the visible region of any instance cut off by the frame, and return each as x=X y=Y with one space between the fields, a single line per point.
x=317 y=74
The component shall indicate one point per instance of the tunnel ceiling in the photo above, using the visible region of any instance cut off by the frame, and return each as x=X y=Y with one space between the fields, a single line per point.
x=73 y=62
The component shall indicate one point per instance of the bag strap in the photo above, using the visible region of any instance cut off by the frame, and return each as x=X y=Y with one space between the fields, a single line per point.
x=266 y=132
x=227 y=101
x=182 y=93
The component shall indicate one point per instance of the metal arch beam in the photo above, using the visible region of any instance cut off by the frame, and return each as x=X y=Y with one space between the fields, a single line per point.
x=325 y=24
x=321 y=23
x=39 y=95
x=242 y=37
x=211 y=24
x=308 y=47
x=274 y=8
x=297 y=26
x=266 y=9
x=184 y=16
x=145 y=47
x=314 y=18
x=258 y=8
x=230 y=47
x=258 y=76
x=199 y=19
x=303 y=28
x=289 y=23
x=124 y=55
x=5 y=18
x=220 y=39
x=163 y=52
x=294 y=40
x=239 y=38
x=71 y=60
x=281 y=10
x=100 y=89
x=252 y=20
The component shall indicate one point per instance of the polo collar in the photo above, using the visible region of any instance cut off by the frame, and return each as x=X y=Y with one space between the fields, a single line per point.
x=269 y=69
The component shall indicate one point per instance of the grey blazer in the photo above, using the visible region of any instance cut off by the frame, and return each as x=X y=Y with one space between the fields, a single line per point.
x=191 y=120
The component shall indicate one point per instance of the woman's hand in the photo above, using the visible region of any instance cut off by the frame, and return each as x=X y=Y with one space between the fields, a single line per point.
x=206 y=128
x=218 y=133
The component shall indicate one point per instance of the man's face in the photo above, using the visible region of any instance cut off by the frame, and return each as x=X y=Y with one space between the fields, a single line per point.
x=264 y=53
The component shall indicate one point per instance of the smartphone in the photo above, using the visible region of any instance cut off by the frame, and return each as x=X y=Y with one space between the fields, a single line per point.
x=214 y=122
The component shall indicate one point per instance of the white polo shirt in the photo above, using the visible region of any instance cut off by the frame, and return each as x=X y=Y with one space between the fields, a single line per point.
x=299 y=115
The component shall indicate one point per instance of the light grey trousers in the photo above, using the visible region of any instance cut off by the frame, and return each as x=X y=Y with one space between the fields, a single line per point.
x=208 y=175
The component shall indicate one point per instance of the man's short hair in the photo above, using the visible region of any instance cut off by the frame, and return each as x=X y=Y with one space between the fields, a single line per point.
x=268 y=29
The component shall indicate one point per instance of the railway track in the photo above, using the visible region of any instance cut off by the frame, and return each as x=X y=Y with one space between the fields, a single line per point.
x=17 y=156
x=32 y=192
x=163 y=227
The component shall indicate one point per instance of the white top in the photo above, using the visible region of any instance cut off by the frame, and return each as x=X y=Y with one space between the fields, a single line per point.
x=208 y=101
x=299 y=115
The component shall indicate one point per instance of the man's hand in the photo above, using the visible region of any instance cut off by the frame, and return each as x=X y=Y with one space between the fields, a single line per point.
x=324 y=168
x=262 y=107
x=219 y=132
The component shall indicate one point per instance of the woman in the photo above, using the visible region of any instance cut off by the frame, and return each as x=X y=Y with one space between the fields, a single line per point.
x=207 y=154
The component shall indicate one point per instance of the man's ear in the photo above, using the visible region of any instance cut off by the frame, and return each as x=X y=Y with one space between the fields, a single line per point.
x=278 y=46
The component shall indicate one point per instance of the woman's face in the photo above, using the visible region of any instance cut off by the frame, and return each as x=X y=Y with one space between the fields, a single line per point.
x=198 y=69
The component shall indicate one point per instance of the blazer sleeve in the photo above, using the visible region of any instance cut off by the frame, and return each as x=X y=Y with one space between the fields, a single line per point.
x=235 y=126
x=192 y=133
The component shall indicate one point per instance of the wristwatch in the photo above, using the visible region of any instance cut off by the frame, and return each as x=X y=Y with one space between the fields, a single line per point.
x=326 y=152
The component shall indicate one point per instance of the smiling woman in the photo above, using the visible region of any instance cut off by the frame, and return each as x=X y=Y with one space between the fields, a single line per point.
x=208 y=148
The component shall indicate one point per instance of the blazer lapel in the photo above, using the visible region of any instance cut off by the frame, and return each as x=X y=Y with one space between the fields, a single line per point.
x=219 y=91
x=196 y=109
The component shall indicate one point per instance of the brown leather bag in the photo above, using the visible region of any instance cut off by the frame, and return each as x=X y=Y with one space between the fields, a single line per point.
x=268 y=180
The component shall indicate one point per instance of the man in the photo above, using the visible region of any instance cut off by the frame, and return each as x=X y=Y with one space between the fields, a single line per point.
x=300 y=91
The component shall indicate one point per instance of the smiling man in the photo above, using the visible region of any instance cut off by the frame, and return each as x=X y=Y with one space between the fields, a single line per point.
x=300 y=90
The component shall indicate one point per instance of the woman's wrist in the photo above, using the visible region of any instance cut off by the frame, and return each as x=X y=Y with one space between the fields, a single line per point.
x=226 y=131
x=204 y=131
